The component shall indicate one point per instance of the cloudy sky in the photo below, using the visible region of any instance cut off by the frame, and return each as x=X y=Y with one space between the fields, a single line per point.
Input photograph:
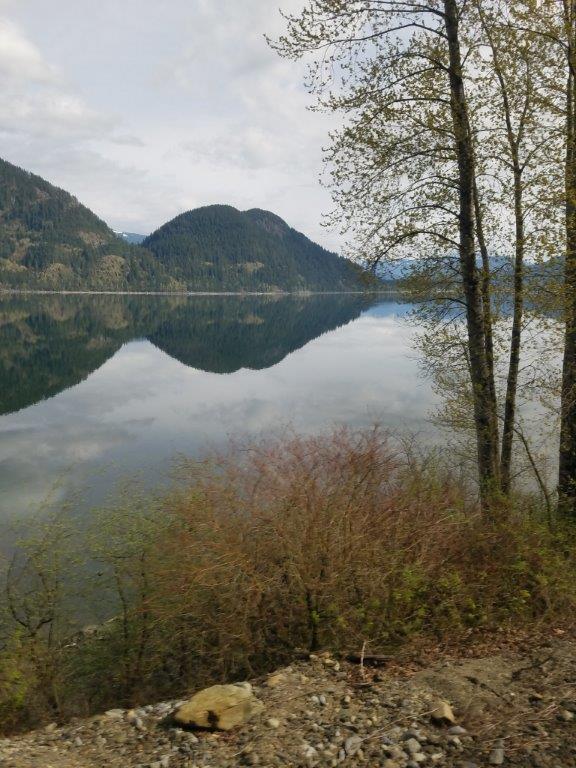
x=146 y=108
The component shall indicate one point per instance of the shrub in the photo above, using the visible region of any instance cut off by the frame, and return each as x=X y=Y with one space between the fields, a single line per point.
x=299 y=542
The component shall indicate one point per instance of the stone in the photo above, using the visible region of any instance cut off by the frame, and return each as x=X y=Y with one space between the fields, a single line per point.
x=114 y=714
x=220 y=707
x=496 y=756
x=273 y=722
x=457 y=730
x=352 y=745
x=413 y=746
x=274 y=680
x=442 y=713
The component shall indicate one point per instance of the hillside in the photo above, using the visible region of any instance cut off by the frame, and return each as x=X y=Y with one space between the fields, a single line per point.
x=220 y=248
x=49 y=240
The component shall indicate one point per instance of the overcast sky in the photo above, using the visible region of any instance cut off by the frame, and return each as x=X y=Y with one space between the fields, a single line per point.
x=146 y=108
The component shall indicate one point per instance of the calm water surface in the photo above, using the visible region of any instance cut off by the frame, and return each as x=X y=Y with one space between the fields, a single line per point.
x=96 y=388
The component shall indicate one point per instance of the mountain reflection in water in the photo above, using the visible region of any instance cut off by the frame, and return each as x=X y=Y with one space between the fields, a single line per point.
x=96 y=388
x=51 y=342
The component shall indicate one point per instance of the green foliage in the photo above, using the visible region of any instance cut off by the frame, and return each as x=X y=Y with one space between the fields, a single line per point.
x=49 y=240
x=221 y=248
x=16 y=681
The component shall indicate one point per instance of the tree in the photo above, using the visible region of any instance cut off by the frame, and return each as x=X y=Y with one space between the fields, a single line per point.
x=447 y=146
x=567 y=458
x=396 y=70
x=517 y=157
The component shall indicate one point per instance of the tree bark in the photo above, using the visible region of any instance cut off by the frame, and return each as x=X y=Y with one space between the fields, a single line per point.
x=485 y=288
x=485 y=417
x=567 y=457
x=508 y=430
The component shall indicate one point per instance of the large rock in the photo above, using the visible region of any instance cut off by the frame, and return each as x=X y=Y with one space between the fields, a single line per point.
x=220 y=707
x=442 y=713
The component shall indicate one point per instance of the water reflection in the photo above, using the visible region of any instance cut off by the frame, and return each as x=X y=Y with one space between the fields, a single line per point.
x=95 y=387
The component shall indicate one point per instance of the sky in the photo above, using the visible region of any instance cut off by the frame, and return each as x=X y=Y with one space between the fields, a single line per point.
x=146 y=108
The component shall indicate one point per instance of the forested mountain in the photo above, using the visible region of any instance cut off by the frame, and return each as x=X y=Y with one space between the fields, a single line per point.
x=220 y=248
x=48 y=240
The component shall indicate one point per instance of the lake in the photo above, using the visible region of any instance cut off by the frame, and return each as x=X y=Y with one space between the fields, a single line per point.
x=97 y=388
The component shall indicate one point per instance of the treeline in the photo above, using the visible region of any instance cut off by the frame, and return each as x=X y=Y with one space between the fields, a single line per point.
x=49 y=240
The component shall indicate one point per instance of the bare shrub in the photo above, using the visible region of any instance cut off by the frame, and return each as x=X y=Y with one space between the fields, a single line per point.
x=342 y=541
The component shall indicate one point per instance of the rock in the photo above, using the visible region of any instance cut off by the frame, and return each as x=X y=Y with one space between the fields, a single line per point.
x=413 y=746
x=442 y=713
x=457 y=730
x=273 y=722
x=497 y=756
x=220 y=707
x=114 y=714
x=275 y=680
x=352 y=745
x=566 y=715
x=164 y=762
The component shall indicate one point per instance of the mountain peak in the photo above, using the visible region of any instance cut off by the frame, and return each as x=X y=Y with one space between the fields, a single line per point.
x=268 y=221
x=218 y=247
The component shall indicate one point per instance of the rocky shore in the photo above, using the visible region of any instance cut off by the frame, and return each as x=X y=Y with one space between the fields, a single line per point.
x=512 y=708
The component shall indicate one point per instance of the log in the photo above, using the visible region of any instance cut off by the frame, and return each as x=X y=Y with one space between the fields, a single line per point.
x=369 y=659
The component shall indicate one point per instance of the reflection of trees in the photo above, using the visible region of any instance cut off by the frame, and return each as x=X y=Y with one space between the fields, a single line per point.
x=49 y=343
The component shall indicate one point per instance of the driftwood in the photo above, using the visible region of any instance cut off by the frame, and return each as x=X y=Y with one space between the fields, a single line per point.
x=362 y=658
x=369 y=659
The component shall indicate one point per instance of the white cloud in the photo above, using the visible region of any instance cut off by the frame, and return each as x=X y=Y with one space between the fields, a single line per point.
x=51 y=113
x=19 y=57
x=149 y=108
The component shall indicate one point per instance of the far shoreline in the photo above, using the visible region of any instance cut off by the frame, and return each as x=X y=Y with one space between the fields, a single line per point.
x=43 y=292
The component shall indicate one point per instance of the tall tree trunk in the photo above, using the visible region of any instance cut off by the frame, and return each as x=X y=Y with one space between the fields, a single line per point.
x=484 y=414
x=485 y=288
x=567 y=458
x=508 y=430
x=514 y=139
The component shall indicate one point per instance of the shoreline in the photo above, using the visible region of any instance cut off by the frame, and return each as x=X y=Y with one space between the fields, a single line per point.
x=31 y=291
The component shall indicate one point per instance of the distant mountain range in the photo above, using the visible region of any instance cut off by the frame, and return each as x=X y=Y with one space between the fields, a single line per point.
x=48 y=240
x=132 y=237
